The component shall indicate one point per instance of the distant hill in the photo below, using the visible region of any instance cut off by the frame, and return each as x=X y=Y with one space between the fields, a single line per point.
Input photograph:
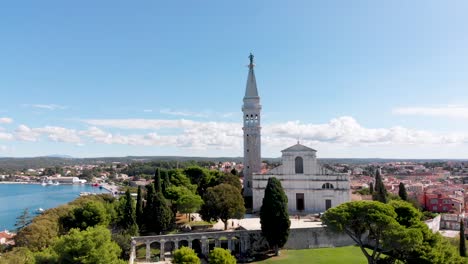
x=65 y=160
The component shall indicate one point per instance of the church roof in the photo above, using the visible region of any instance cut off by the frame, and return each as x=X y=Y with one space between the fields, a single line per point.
x=251 y=87
x=298 y=147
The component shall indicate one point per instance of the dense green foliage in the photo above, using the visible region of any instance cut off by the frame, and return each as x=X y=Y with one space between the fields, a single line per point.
x=402 y=192
x=128 y=221
x=221 y=256
x=223 y=202
x=371 y=187
x=139 y=208
x=274 y=217
x=93 y=246
x=158 y=216
x=90 y=214
x=185 y=255
x=380 y=193
x=393 y=229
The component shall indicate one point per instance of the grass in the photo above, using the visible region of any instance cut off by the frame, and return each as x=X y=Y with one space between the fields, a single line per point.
x=340 y=255
x=141 y=252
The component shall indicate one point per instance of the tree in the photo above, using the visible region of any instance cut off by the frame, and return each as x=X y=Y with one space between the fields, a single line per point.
x=18 y=255
x=185 y=255
x=93 y=245
x=230 y=179
x=221 y=256
x=223 y=202
x=462 y=239
x=274 y=217
x=189 y=203
x=157 y=214
x=157 y=181
x=92 y=213
x=128 y=220
x=402 y=192
x=360 y=219
x=371 y=188
x=380 y=193
x=139 y=208
x=24 y=219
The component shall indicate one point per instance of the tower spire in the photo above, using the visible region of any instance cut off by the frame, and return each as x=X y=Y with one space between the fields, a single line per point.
x=251 y=87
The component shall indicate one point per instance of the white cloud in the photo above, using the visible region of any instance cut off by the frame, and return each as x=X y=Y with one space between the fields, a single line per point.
x=24 y=133
x=59 y=134
x=5 y=120
x=48 y=106
x=195 y=134
x=5 y=136
x=451 y=111
x=168 y=111
x=148 y=110
x=339 y=133
x=3 y=149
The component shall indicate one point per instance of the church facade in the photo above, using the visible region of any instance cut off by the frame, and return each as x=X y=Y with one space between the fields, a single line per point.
x=310 y=187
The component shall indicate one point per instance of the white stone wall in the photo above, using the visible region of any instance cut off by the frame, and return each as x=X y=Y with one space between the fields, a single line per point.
x=308 y=184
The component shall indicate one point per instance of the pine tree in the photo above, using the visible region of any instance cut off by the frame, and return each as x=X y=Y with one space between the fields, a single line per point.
x=462 y=239
x=139 y=208
x=371 y=188
x=402 y=192
x=129 y=221
x=23 y=220
x=274 y=217
x=380 y=193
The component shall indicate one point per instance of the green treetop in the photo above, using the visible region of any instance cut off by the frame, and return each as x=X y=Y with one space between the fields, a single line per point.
x=274 y=217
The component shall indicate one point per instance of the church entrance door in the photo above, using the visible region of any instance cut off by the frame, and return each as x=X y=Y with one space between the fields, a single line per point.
x=299 y=201
x=327 y=204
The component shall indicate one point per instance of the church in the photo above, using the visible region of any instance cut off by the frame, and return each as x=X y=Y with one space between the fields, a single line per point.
x=310 y=187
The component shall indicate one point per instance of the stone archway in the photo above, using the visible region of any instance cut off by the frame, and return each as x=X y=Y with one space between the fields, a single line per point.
x=197 y=246
x=183 y=243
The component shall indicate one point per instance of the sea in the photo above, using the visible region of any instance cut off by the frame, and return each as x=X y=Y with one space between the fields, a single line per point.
x=14 y=198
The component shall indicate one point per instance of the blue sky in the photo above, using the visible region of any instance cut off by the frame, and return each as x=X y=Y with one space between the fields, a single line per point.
x=349 y=78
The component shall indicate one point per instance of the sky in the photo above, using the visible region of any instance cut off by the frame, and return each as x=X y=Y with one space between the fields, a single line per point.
x=352 y=79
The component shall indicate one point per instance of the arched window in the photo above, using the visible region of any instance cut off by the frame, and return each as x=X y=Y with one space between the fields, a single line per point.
x=299 y=165
x=327 y=186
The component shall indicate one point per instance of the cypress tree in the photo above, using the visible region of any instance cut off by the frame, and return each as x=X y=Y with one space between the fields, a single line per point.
x=371 y=188
x=402 y=192
x=274 y=217
x=163 y=214
x=139 y=208
x=165 y=182
x=380 y=193
x=462 y=239
x=128 y=221
x=148 y=213
x=158 y=216
x=157 y=181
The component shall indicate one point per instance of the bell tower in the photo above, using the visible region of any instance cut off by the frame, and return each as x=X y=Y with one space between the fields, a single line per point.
x=252 y=143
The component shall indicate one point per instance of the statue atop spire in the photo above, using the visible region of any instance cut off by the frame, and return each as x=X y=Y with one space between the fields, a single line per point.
x=251 y=57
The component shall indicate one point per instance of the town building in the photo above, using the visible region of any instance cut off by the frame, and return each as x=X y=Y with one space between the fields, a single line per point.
x=310 y=187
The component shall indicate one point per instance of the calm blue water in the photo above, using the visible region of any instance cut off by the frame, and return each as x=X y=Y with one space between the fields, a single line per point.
x=14 y=198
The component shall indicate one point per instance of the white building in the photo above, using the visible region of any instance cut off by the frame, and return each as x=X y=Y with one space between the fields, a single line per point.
x=310 y=188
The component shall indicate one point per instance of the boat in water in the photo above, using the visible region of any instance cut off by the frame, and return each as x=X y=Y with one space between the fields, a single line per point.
x=39 y=210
